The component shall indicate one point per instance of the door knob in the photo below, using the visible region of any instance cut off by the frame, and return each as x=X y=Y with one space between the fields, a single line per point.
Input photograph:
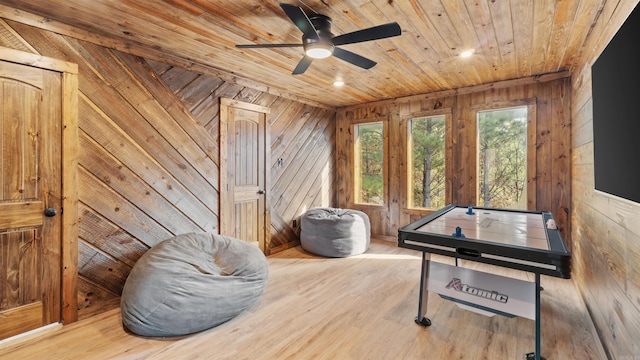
x=261 y=192
x=50 y=212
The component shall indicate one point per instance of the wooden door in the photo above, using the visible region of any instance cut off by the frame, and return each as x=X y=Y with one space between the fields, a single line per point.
x=30 y=174
x=243 y=209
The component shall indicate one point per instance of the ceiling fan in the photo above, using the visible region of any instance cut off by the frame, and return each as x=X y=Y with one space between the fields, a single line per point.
x=318 y=41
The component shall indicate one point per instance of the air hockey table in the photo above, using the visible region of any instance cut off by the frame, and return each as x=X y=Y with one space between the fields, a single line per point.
x=517 y=239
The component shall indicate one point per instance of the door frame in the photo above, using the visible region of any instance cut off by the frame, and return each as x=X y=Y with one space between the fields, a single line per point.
x=226 y=187
x=69 y=164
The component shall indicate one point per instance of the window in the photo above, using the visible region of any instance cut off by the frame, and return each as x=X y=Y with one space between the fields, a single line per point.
x=426 y=162
x=369 y=163
x=502 y=158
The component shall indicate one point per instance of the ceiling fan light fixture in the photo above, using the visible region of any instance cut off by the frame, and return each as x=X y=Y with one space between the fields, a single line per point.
x=318 y=42
x=319 y=50
x=467 y=53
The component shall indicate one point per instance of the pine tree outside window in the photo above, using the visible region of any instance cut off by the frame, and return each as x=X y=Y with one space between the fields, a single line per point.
x=502 y=158
x=426 y=162
x=369 y=163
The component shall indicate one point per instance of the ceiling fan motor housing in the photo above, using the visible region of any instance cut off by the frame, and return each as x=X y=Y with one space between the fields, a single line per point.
x=322 y=24
x=319 y=43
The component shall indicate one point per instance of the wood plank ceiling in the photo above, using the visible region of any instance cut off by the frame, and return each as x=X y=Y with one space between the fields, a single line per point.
x=510 y=38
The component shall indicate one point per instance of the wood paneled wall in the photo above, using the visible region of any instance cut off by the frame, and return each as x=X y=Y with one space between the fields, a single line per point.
x=605 y=229
x=548 y=97
x=149 y=155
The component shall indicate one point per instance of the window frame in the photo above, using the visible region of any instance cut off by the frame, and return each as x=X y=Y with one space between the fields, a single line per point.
x=406 y=213
x=531 y=162
x=355 y=162
x=408 y=193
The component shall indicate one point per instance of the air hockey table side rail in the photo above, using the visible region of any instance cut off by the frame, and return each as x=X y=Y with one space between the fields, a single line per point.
x=554 y=261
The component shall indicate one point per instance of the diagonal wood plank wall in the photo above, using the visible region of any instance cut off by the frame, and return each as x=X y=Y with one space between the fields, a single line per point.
x=149 y=155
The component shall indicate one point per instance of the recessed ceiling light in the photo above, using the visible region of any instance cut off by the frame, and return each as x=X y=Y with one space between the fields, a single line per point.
x=466 y=53
x=338 y=83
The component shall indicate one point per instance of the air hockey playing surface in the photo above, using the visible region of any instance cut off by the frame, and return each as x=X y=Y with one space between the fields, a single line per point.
x=523 y=240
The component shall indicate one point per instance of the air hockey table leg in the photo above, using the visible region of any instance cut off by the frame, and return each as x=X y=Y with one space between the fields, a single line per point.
x=536 y=355
x=422 y=319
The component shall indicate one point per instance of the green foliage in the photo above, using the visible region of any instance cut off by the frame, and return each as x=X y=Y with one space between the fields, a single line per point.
x=428 y=162
x=371 y=163
x=503 y=158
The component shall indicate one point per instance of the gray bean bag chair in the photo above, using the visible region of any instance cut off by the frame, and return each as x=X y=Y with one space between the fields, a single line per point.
x=335 y=232
x=190 y=283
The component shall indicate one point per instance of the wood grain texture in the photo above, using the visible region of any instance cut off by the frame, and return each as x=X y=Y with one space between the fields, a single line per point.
x=549 y=180
x=341 y=309
x=148 y=155
x=511 y=39
x=70 y=195
x=35 y=112
x=548 y=36
x=22 y=319
x=244 y=154
x=16 y=215
x=605 y=229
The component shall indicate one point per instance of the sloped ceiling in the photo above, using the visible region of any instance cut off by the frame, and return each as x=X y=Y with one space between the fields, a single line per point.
x=511 y=39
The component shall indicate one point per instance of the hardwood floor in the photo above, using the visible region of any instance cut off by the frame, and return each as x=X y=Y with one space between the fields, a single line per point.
x=353 y=308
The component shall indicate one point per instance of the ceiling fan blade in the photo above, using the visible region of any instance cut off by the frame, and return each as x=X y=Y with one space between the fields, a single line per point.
x=368 y=34
x=301 y=20
x=303 y=65
x=254 y=46
x=353 y=58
